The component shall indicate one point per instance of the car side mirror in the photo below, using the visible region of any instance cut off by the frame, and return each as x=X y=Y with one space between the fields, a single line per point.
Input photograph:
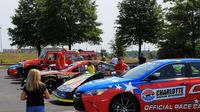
x=152 y=77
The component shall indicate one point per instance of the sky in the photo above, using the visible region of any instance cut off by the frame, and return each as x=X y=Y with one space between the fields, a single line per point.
x=107 y=14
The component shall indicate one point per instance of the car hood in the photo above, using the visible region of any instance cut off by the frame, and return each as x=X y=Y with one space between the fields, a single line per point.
x=49 y=72
x=72 y=84
x=13 y=66
x=32 y=62
x=111 y=82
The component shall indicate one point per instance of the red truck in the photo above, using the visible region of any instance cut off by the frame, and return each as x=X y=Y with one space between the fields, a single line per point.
x=60 y=58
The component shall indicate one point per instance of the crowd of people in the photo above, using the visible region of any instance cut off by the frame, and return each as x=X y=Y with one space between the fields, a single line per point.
x=34 y=92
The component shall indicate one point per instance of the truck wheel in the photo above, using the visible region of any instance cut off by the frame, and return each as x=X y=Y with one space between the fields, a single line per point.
x=51 y=83
x=124 y=103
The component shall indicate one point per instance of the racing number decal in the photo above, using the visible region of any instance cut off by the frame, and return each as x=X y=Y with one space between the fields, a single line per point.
x=195 y=89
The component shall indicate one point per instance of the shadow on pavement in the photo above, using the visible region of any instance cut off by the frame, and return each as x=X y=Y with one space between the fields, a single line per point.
x=9 y=77
x=15 y=82
x=19 y=79
x=60 y=103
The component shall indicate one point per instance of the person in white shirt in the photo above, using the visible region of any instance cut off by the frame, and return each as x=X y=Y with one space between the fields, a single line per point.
x=114 y=60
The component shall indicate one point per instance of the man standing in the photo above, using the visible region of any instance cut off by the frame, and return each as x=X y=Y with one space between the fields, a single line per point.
x=114 y=60
x=142 y=59
x=120 y=67
x=78 y=58
x=91 y=68
x=60 y=61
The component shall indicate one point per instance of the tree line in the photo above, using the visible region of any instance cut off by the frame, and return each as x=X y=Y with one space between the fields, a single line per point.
x=39 y=23
x=175 y=29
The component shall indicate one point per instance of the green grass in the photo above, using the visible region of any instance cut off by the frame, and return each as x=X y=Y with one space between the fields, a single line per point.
x=12 y=58
x=126 y=59
x=3 y=67
x=131 y=60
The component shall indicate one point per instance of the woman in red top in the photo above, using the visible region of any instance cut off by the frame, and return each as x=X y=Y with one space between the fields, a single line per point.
x=120 y=67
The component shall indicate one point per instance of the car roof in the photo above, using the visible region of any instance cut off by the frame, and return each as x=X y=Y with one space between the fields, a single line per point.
x=182 y=60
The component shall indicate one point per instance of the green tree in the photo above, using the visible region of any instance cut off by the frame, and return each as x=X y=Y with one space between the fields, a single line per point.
x=174 y=43
x=26 y=25
x=183 y=24
x=68 y=22
x=117 y=47
x=139 y=21
x=39 y=23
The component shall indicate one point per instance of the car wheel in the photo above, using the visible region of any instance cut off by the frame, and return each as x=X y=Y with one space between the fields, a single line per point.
x=51 y=83
x=124 y=103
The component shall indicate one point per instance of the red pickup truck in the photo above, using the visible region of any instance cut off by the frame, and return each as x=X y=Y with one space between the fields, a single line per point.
x=60 y=58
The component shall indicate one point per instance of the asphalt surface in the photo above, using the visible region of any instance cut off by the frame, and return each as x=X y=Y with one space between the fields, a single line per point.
x=10 y=97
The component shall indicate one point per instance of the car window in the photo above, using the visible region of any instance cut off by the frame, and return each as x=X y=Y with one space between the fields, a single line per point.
x=195 y=69
x=140 y=70
x=171 y=71
x=103 y=67
x=52 y=57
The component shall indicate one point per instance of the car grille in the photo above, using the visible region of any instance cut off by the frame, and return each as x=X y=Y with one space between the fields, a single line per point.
x=63 y=95
x=21 y=71
x=59 y=93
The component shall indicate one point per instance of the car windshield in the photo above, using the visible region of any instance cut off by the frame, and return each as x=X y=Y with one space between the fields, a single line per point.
x=140 y=70
x=69 y=67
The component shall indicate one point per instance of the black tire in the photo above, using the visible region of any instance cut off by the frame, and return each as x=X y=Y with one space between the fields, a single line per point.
x=124 y=103
x=51 y=83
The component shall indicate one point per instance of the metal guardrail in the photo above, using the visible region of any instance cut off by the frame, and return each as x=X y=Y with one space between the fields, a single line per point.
x=6 y=64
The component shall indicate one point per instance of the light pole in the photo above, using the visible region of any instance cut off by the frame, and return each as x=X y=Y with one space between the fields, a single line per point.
x=1 y=50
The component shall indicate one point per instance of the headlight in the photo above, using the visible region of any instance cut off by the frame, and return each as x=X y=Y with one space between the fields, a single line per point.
x=65 y=88
x=95 y=92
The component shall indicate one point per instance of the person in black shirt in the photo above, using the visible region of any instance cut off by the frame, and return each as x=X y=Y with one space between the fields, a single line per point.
x=142 y=59
x=34 y=92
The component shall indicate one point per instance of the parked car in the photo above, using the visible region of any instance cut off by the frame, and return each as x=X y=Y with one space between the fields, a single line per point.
x=162 y=85
x=55 y=78
x=12 y=70
x=64 y=93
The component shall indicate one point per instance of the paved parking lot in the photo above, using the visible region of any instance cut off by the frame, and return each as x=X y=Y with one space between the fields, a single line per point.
x=10 y=92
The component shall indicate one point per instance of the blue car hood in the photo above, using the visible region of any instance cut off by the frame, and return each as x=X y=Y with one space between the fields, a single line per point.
x=13 y=66
x=103 y=83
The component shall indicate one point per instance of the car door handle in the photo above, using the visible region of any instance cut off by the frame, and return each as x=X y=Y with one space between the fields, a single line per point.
x=183 y=84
